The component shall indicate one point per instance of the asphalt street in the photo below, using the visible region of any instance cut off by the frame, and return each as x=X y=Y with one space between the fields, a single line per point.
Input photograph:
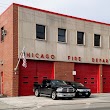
x=99 y=101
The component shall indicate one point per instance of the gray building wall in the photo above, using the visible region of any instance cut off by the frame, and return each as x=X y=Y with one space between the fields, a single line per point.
x=84 y=53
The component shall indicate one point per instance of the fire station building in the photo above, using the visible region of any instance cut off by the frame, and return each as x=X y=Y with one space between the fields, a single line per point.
x=57 y=46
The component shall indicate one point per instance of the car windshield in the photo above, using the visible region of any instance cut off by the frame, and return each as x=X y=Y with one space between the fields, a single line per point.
x=58 y=82
x=77 y=84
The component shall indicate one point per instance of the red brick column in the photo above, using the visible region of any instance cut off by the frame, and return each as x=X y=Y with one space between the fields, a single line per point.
x=15 y=50
x=63 y=71
x=6 y=51
x=100 y=79
x=9 y=50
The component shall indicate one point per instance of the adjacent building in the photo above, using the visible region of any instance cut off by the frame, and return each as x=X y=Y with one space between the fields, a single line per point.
x=57 y=46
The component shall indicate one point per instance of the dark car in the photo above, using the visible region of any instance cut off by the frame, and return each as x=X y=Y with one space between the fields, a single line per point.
x=54 y=89
x=81 y=90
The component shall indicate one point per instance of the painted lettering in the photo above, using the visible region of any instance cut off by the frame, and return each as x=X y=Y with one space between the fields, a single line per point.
x=68 y=57
x=37 y=55
x=79 y=58
x=42 y=56
x=32 y=54
x=28 y=55
x=103 y=61
x=93 y=60
x=52 y=56
x=100 y=60
x=106 y=60
x=47 y=56
x=74 y=58
x=96 y=59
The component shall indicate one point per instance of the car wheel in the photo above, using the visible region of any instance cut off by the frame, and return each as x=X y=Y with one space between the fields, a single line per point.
x=37 y=94
x=54 y=95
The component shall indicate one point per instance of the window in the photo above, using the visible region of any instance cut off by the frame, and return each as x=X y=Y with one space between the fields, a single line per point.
x=80 y=37
x=61 y=35
x=2 y=34
x=96 y=40
x=40 y=31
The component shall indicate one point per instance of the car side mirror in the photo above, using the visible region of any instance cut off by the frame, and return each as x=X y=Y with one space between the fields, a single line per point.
x=73 y=85
x=48 y=85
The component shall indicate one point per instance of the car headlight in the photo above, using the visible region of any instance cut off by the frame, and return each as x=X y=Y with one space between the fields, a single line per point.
x=59 y=89
x=88 y=90
x=74 y=90
x=80 y=90
x=84 y=90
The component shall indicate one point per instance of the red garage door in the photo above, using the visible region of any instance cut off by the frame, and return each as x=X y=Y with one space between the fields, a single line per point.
x=106 y=78
x=35 y=72
x=87 y=74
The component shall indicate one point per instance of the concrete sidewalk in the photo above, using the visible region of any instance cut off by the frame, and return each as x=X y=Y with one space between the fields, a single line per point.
x=28 y=102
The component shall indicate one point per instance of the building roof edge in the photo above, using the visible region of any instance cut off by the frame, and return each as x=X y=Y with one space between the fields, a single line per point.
x=55 y=13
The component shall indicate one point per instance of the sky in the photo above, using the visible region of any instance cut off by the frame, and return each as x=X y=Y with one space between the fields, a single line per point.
x=97 y=10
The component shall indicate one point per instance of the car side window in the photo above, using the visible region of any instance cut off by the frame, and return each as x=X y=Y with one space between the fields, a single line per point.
x=52 y=83
x=44 y=83
x=47 y=83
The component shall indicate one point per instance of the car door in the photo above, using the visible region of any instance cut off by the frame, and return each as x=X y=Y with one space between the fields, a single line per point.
x=48 y=88
x=43 y=87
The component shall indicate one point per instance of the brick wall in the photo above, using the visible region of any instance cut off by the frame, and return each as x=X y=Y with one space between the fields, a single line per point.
x=100 y=79
x=0 y=84
x=15 y=50
x=63 y=71
x=8 y=51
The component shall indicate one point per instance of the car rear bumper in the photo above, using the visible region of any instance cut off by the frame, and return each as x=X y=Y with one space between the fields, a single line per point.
x=65 y=94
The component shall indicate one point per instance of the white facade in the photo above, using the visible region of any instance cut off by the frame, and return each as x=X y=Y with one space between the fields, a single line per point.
x=69 y=51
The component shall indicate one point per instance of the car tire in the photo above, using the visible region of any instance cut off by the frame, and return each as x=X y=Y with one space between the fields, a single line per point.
x=54 y=95
x=37 y=94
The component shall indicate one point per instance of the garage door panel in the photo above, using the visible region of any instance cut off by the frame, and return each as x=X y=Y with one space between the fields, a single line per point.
x=106 y=78
x=35 y=72
x=88 y=75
